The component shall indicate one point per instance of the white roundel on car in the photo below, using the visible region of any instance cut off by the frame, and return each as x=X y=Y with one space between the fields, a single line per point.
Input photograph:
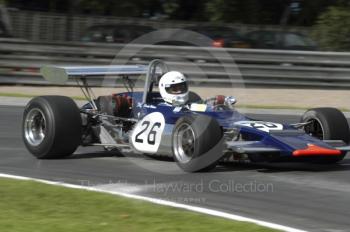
x=146 y=136
x=260 y=125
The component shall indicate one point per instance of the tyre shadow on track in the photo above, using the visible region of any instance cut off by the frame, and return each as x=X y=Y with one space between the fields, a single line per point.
x=100 y=154
x=118 y=154
x=284 y=167
x=228 y=167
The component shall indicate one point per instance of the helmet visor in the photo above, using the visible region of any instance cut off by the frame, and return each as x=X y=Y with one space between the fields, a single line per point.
x=178 y=88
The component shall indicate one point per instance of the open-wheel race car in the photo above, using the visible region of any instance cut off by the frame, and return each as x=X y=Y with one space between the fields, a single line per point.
x=172 y=121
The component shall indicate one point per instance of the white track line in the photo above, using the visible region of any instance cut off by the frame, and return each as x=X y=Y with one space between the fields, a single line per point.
x=164 y=202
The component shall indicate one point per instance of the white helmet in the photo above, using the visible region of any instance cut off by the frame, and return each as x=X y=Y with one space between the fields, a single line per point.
x=173 y=87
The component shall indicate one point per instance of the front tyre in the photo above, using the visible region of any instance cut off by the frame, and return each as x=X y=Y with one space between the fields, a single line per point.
x=51 y=127
x=193 y=137
x=327 y=124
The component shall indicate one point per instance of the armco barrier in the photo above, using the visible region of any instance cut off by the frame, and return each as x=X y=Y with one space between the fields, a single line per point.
x=20 y=61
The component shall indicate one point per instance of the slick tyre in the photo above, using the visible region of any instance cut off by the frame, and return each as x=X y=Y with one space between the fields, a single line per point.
x=51 y=127
x=327 y=124
x=193 y=136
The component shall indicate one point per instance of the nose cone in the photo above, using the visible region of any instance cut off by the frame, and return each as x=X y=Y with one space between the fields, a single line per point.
x=313 y=149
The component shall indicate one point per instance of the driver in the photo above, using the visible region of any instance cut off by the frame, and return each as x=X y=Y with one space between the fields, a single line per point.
x=173 y=87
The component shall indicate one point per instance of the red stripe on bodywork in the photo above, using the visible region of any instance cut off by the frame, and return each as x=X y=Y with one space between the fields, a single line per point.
x=316 y=150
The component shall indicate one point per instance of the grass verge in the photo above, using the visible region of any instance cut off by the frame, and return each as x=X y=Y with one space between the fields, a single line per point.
x=32 y=206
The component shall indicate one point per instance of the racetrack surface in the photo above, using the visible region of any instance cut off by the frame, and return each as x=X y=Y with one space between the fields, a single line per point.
x=304 y=196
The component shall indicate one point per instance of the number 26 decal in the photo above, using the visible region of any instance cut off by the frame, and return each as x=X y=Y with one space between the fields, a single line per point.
x=151 y=138
x=146 y=136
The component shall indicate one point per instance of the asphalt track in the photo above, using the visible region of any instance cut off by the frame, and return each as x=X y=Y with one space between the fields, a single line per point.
x=304 y=196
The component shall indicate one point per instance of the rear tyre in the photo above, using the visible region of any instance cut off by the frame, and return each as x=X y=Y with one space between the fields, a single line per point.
x=51 y=127
x=327 y=124
x=193 y=136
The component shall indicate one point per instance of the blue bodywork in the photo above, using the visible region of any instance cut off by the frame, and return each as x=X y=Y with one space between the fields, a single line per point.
x=285 y=141
x=242 y=134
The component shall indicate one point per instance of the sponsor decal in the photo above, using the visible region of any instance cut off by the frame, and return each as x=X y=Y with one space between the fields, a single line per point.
x=260 y=125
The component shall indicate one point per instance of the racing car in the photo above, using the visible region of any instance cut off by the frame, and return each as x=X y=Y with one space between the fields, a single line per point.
x=169 y=120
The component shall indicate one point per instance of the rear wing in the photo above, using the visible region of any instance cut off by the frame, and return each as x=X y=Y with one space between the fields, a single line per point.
x=59 y=74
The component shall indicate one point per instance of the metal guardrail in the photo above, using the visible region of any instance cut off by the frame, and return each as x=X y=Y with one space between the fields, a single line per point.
x=20 y=61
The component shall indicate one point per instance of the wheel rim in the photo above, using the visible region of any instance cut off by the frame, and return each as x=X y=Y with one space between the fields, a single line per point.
x=314 y=128
x=34 y=127
x=184 y=143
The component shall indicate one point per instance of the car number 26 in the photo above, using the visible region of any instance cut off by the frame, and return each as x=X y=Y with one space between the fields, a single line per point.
x=146 y=136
